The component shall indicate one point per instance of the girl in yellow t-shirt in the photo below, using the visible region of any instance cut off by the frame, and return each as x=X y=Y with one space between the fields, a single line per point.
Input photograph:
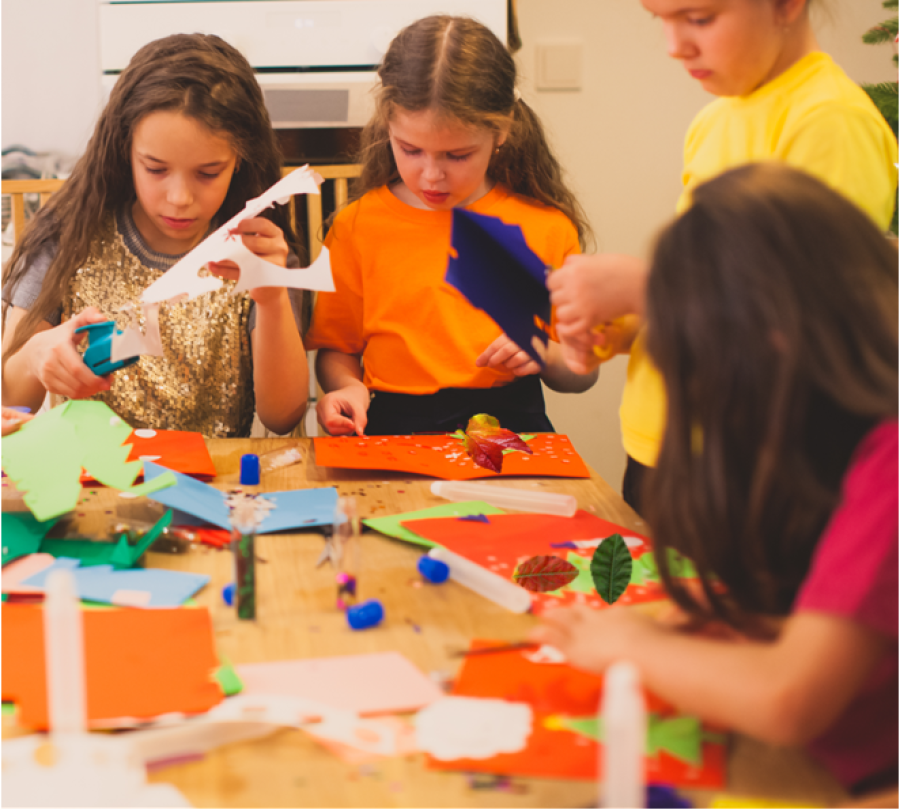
x=779 y=98
x=399 y=349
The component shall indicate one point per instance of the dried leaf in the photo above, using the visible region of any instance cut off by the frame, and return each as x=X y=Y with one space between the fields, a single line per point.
x=611 y=568
x=545 y=573
x=485 y=442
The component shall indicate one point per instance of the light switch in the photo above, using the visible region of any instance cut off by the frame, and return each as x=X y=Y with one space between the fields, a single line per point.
x=559 y=64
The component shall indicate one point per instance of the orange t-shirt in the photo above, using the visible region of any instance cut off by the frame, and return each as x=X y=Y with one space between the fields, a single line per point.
x=416 y=333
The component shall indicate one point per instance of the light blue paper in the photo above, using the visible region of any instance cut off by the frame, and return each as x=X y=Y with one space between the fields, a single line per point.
x=294 y=509
x=100 y=583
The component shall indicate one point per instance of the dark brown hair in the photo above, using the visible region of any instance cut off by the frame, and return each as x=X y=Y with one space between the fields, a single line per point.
x=772 y=316
x=456 y=67
x=200 y=76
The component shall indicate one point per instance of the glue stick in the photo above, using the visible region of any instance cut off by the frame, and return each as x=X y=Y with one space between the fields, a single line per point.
x=64 y=651
x=525 y=500
x=485 y=583
x=244 y=524
x=345 y=537
x=624 y=719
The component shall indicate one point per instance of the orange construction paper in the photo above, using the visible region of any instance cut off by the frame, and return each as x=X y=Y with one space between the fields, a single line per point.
x=138 y=663
x=181 y=450
x=442 y=456
x=558 y=689
x=506 y=540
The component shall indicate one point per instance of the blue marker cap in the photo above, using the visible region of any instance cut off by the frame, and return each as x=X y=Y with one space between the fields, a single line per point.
x=436 y=571
x=365 y=614
x=228 y=594
x=249 y=470
x=665 y=796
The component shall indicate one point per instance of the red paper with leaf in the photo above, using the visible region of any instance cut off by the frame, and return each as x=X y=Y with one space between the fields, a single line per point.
x=181 y=450
x=443 y=456
x=505 y=541
x=562 y=744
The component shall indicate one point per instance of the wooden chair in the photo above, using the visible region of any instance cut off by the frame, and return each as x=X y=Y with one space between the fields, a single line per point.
x=17 y=189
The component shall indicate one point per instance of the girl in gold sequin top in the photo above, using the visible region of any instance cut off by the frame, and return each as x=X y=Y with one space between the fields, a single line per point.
x=184 y=142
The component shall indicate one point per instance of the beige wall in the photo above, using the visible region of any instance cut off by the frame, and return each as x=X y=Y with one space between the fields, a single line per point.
x=620 y=139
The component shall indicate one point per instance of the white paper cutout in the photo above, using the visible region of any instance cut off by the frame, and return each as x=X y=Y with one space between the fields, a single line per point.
x=545 y=654
x=132 y=342
x=472 y=728
x=631 y=542
x=259 y=273
x=223 y=244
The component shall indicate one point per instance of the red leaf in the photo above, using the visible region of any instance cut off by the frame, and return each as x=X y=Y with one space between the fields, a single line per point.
x=484 y=453
x=545 y=573
x=485 y=442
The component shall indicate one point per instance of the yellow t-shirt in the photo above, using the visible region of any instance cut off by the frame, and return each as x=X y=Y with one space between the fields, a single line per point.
x=415 y=332
x=812 y=117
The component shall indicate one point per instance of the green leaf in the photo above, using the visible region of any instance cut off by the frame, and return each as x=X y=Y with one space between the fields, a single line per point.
x=611 y=568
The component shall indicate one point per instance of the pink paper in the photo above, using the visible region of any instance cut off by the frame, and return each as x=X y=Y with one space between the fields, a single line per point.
x=377 y=683
x=19 y=570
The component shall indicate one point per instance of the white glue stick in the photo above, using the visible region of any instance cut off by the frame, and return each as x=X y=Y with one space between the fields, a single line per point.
x=624 y=718
x=485 y=583
x=64 y=650
x=525 y=500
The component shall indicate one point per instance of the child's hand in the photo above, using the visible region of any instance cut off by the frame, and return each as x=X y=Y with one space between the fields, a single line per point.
x=591 y=290
x=266 y=240
x=504 y=354
x=13 y=419
x=55 y=363
x=344 y=412
x=593 y=639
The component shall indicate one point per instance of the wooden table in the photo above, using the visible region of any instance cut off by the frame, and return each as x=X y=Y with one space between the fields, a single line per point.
x=296 y=618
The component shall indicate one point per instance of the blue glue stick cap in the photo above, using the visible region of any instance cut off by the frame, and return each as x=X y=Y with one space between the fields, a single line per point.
x=228 y=594
x=665 y=796
x=436 y=571
x=249 y=470
x=365 y=614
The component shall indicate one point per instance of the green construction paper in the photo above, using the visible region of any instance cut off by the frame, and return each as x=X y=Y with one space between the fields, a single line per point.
x=119 y=555
x=8 y=708
x=228 y=678
x=390 y=524
x=646 y=569
x=46 y=455
x=22 y=533
x=680 y=737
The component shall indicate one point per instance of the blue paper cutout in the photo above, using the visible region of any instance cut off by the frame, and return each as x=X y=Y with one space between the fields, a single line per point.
x=496 y=270
x=566 y=544
x=295 y=509
x=475 y=518
x=100 y=583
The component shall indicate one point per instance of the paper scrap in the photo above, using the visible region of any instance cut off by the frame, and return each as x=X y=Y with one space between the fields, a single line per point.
x=499 y=273
x=131 y=341
x=473 y=728
x=294 y=509
x=221 y=245
x=374 y=683
x=22 y=534
x=391 y=524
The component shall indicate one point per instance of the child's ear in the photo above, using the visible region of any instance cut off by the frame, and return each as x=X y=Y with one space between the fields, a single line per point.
x=789 y=11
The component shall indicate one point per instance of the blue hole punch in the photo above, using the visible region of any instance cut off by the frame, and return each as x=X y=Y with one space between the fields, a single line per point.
x=99 y=349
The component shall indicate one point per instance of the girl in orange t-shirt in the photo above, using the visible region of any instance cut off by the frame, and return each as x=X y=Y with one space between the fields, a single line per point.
x=399 y=349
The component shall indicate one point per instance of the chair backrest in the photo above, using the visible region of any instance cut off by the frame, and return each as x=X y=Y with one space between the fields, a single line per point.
x=17 y=189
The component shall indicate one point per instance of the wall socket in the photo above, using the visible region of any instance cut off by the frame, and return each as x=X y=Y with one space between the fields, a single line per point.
x=559 y=64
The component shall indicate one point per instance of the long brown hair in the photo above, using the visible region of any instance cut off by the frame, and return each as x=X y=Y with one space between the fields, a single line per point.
x=200 y=76
x=455 y=66
x=772 y=316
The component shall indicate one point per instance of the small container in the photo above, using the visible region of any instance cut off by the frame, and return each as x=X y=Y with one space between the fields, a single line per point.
x=365 y=614
x=228 y=594
x=524 y=500
x=249 y=470
x=433 y=570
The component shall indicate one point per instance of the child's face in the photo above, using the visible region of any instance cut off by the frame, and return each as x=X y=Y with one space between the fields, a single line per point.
x=731 y=47
x=182 y=171
x=442 y=164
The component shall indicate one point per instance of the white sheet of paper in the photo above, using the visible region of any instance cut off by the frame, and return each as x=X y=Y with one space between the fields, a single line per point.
x=473 y=728
x=221 y=245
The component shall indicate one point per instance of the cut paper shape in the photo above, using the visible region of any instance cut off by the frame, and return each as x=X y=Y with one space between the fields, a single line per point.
x=22 y=534
x=497 y=272
x=400 y=730
x=508 y=540
x=563 y=696
x=442 y=457
x=375 y=683
x=137 y=587
x=295 y=509
x=46 y=455
x=181 y=451
x=138 y=663
x=131 y=341
x=480 y=518
x=474 y=728
x=119 y=555
x=223 y=244
x=391 y=524
x=16 y=572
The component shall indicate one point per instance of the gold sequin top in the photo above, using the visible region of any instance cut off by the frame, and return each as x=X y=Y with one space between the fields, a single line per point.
x=204 y=380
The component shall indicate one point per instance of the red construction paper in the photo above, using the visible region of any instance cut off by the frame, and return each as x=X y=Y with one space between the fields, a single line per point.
x=558 y=689
x=506 y=540
x=181 y=450
x=138 y=663
x=442 y=456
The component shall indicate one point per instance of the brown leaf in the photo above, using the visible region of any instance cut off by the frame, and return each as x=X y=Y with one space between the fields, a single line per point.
x=545 y=573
